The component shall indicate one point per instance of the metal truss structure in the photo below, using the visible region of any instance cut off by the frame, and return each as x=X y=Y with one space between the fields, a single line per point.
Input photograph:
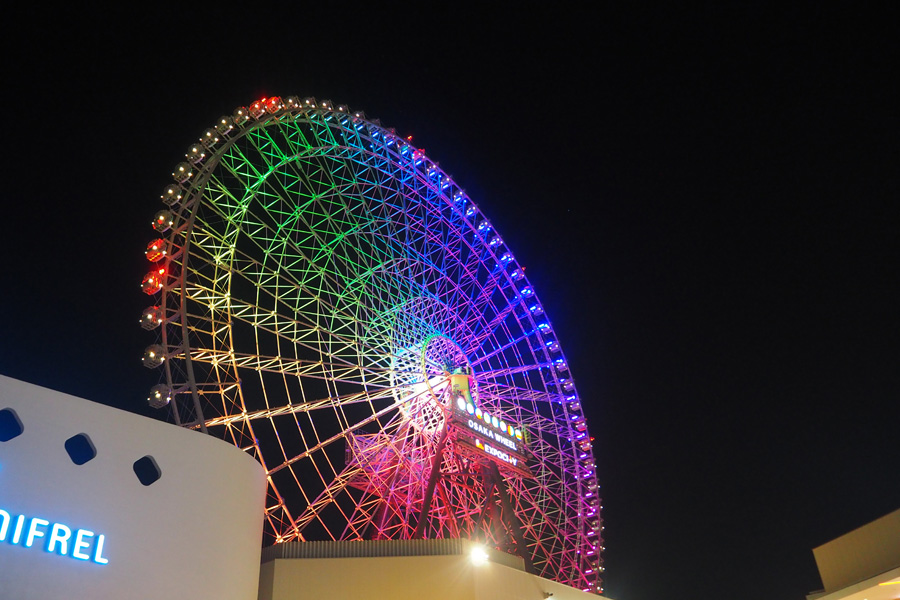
x=318 y=280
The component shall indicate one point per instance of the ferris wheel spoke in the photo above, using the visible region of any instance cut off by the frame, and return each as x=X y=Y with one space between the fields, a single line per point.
x=299 y=335
x=318 y=222
x=477 y=305
x=277 y=513
x=268 y=237
x=340 y=321
x=318 y=295
x=363 y=518
x=490 y=330
x=367 y=396
x=374 y=417
x=320 y=369
x=501 y=349
x=512 y=370
x=337 y=300
x=326 y=497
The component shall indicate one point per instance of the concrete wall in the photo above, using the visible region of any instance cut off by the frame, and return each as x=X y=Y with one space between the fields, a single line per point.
x=395 y=578
x=863 y=553
x=193 y=533
x=451 y=577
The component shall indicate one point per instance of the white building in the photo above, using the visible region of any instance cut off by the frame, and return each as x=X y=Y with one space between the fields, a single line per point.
x=100 y=503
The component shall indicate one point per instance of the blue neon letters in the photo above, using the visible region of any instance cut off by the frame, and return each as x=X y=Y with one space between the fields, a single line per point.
x=55 y=538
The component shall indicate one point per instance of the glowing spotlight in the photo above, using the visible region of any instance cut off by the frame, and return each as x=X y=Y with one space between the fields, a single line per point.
x=478 y=555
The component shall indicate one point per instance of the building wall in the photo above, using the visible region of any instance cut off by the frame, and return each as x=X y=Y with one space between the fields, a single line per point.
x=865 y=552
x=449 y=577
x=194 y=533
x=394 y=578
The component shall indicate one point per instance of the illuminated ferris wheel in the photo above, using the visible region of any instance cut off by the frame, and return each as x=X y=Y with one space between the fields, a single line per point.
x=329 y=300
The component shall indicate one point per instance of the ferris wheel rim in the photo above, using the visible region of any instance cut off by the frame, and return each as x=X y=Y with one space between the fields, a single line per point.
x=516 y=278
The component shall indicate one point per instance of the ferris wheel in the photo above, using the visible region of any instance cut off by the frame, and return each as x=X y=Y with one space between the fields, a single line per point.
x=329 y=300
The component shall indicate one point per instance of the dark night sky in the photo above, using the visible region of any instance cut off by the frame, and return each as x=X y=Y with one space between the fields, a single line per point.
x=706 y=202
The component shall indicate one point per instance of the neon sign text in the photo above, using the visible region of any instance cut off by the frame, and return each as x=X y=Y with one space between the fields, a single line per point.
x=497 y=453
x=478 y=427
x=57 y=538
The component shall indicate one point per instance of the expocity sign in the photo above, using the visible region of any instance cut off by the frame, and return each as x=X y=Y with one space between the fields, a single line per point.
x=485 y=434
x=55 y=538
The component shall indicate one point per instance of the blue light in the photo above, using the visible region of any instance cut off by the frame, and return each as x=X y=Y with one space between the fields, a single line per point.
x=33 y=531
x=98 y=553
x=62 y=539
x=86 y=545
x=81 y=543
x=18 y=533
x=4 y=524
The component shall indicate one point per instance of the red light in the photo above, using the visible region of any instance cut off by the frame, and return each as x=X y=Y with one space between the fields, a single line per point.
x=155 y=250
x=151 y=283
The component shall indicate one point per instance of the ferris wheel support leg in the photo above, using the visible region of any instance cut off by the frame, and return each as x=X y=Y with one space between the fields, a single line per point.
x=512 y=519
x=383 y=512
x=488 y=492
x=432 y=482
x=454 y=526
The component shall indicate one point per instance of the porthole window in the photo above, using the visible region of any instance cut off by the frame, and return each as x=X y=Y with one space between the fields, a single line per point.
x=10 y=425
x=80 y=448
x=147 y=470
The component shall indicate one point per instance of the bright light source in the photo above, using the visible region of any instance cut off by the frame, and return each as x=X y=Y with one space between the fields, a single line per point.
x=478 y=555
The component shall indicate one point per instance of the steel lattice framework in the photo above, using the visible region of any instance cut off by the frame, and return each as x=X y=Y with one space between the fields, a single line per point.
x=317 y=277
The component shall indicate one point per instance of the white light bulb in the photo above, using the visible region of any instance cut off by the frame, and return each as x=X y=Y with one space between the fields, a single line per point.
x=478 y=555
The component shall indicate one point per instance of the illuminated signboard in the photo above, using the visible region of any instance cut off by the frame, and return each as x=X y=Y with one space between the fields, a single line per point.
x=56 y=538
x=486 y=434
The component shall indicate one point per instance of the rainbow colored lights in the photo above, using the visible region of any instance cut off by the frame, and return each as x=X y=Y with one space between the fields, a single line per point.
x=328 y=299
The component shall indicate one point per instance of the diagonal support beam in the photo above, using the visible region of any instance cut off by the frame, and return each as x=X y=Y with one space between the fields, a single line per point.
x=432 y=481
x=512 y=520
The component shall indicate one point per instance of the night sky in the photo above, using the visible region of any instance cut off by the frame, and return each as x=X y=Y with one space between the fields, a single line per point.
x=706 y=203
